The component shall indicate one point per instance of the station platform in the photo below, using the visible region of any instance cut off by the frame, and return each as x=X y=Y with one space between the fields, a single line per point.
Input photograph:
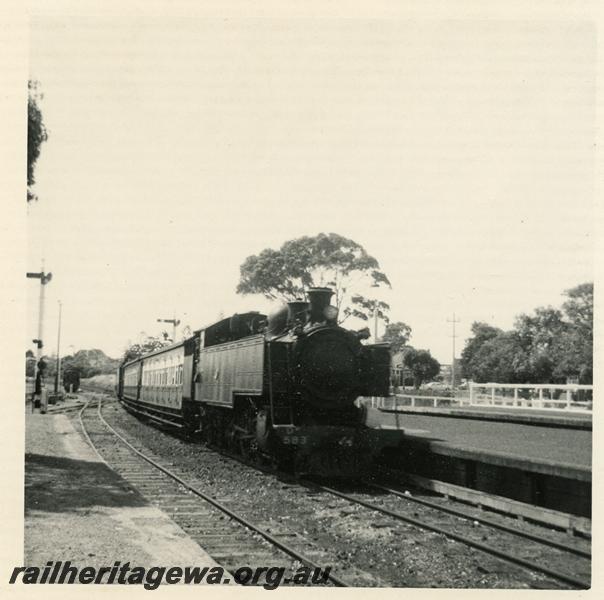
x=545 y=418
x=78 y=509
x=526 y=462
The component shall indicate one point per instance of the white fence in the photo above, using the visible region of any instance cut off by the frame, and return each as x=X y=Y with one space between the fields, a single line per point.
x=568 y=397
x=542 y=396
x=397 y=400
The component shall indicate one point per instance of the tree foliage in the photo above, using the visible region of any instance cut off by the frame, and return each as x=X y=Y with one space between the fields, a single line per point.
x=546 y=346
x=579 y=308
x=150 y=344
x=88 y=362
x=36 y=134
x=397 y=334
x=574 y=348
x=327 y=259
x=422 y=364
x=500 y=358
x=470 y=359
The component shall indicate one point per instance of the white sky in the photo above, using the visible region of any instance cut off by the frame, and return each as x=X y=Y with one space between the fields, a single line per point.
x=458 y=153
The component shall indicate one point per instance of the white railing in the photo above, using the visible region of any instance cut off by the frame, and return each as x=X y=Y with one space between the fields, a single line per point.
x=541 y=396
x=538 y=396
x=401 y=400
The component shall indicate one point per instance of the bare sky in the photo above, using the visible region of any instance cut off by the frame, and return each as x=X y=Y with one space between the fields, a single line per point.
x=458 y=153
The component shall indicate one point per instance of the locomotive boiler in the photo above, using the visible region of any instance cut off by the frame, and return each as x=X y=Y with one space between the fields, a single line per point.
x=283 y=387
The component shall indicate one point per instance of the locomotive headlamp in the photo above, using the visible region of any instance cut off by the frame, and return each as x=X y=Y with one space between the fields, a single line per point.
x=331 y=313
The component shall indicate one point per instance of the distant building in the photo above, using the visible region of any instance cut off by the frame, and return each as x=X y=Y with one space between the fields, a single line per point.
x=398 y=370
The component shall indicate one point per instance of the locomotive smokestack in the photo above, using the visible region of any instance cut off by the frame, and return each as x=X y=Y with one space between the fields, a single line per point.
x=319 y=299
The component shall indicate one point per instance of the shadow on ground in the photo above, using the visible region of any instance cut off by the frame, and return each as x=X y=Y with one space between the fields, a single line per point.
x=58 y=484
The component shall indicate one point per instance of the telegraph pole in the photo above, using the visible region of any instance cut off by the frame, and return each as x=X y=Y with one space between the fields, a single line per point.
x=58 y=374
x=453 y=336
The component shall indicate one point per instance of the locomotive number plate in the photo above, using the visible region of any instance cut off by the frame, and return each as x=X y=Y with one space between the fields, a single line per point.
x=295 y=440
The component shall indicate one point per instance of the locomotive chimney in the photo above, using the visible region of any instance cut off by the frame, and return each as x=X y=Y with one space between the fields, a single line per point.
x=319 y=299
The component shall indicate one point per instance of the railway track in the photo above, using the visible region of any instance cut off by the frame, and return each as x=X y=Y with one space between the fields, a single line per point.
x=573 y=551
x=227 y=535
x=522 y=551
x=542 y=546
x=540 y=543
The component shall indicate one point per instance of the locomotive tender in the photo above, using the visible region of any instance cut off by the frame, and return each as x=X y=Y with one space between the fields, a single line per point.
x=284 y=387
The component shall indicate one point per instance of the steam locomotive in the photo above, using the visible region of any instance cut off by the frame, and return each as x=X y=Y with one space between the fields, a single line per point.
x=283 y=387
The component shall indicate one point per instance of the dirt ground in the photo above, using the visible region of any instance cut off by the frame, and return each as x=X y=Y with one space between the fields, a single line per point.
x=78 y=509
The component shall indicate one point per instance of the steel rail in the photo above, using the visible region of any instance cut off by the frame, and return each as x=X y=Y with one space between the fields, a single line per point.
x=233 y=515
x=85 y=431
x=459 y=538
x=483 y=547
x=494 y=524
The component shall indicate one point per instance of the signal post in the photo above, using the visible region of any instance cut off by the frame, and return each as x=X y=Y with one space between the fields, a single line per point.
x=39 y=394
